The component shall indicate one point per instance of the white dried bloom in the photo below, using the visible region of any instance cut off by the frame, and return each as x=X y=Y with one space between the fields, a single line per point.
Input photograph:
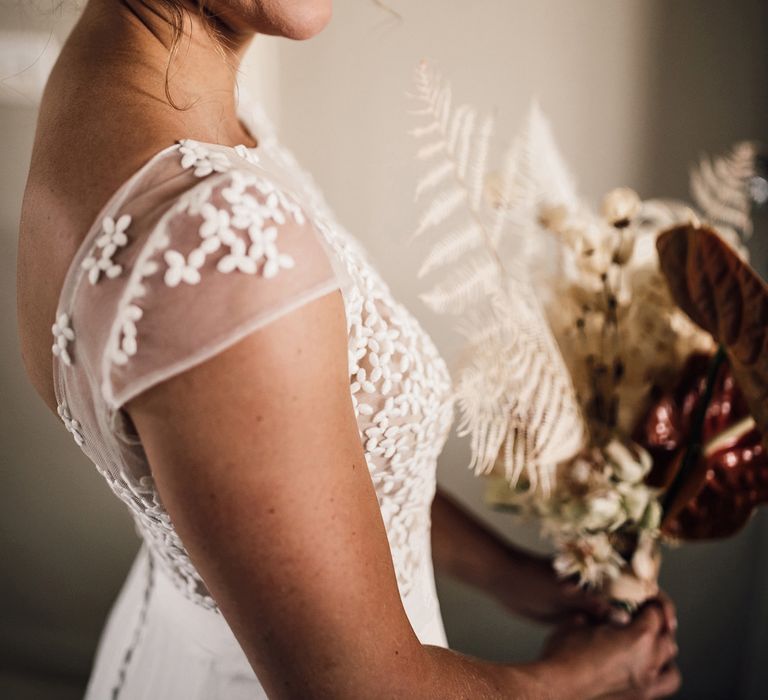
x=645 y=560
x=629 y=463
x=580 y=471
x=652 y=516
x=620 y=206
x=553 y=217
x=604 y=511
x=635 y=498
x=591 y=557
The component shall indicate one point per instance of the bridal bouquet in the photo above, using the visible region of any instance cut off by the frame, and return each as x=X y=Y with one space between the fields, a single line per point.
x=615 y=373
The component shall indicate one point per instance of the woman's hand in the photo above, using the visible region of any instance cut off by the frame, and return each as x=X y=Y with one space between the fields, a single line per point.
x=528 y=585
x=633 y=662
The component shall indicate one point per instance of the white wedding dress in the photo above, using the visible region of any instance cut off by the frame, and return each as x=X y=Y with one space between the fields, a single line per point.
x=203 y=245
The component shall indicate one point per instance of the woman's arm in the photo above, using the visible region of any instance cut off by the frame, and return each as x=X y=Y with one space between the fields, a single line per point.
x=257 y=457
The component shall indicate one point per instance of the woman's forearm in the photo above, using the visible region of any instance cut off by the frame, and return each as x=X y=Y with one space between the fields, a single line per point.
x=521 y=581
x=466 y=550
x=455 y=675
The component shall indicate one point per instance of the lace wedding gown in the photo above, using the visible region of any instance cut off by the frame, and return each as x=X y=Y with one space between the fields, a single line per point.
x=203 y=245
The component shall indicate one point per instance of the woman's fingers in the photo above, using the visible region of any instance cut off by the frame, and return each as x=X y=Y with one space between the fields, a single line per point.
x=619 y=616
x=574 y=620
x=594 y=603
x=670 y=614
x=669 y=611
x=667 y=651
x=649 y=620
x=667 y=683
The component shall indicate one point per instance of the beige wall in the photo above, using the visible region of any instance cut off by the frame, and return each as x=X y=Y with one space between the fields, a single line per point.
x=635 y=90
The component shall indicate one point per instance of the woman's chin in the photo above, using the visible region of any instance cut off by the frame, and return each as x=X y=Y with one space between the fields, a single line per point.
x=311 y=23
x=301 y=21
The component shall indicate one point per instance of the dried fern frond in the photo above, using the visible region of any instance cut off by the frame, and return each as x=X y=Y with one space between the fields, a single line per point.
x=466 y=285
x=515 y=395
x=452 y=247
x=720 y=188
x=517 y=411
x=657 y=215
x=440 y=209
x=434 y=177
x=533 y=173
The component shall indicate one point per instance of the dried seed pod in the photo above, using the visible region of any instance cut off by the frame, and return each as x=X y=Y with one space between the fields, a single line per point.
x=620 y=206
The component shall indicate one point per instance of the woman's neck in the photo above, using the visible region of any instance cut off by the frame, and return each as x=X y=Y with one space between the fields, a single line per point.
x=123 y=49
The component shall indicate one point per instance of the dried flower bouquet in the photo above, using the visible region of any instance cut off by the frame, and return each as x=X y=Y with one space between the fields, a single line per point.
x=582 y=394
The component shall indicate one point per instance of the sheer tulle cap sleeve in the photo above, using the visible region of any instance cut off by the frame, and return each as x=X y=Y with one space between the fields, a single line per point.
x=231 y=255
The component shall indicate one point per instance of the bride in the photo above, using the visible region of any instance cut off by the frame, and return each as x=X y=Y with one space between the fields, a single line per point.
x=229 y=359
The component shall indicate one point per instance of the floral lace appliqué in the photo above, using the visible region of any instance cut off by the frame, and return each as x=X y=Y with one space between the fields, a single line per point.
x=247 y=153
x=201 y=158
x=401 y=394
x=242 y=230
x=100 y=259
x=244 y=234
x=128 y=334
x=63 y=335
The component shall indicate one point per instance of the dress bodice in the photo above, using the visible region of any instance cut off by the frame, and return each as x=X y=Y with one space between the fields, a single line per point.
x=203 y=245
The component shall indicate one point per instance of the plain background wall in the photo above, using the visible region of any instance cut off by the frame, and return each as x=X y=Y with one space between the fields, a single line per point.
x=635 y=90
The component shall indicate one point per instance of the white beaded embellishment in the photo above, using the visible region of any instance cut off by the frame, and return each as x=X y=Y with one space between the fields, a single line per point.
x=112 y=237
x=71 y=424
x=63 y=335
